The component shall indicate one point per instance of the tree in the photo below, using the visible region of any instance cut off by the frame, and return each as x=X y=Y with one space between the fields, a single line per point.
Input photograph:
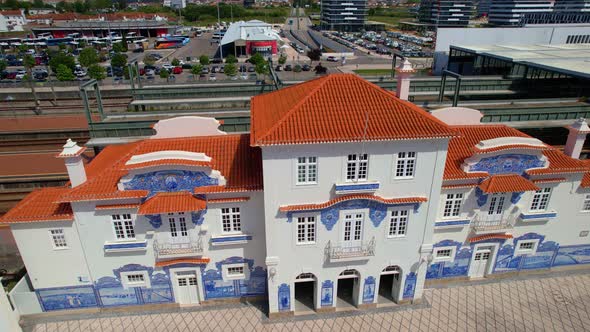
x=29 y=62
x=118 y=60
x=97 y=72
x=175 y=62
x=282 y=59
x=149 y=61
x=124 y=43
x=88 y=57
x=314 y=55
x=61 y=46
x=60 y=58
x=261 y=68
x=3 y=65
x=231 y=59
x=118 y=47
x=256 y=58
x=230 y=69
x=204 y=59
x=64 y=73
x=164 y=74
x=197 y=69
x=320 y=70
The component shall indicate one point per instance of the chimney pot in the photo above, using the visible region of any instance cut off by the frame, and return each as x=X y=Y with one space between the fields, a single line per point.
x=576 y=138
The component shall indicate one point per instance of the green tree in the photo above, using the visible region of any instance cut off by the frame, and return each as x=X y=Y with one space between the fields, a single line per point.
x=261 y=68
x=61 y=46
x=256 y=58
x=3 y=65
x=118 y=60
x=197 y=69
x=149 y=61
x=23 y=48
x=60 y=58
x=230 y=69
x=88 y=57
x=64 y=73
x=124 y=43
x=97 y=72
x=164 y=74
x=282 y=59
x=231 y=59
x=175 y=62
x=204 y=59
x=118 y=47
x=314 y=55
x=29 y=62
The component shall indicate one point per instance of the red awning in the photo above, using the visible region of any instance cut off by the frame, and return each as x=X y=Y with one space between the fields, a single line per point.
x=490 y=237
x=202 y=260
x=182 y=201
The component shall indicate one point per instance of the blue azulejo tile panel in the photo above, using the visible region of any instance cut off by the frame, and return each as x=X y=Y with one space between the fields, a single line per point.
x=572 y=255
x=327 y=293
x=67 y=298
x=160 y=292
x=459 y=266
x=357 y=186
x=410 y=285
x=256 y=285
x=452 y=223
x=111 y=293
x=215 y=287
x=369 y=290
x=543 y=258
x=284 y=297
x=507 y=163
x=125 y=246
x=535 y=216
x=505 y=261
x=167 y=181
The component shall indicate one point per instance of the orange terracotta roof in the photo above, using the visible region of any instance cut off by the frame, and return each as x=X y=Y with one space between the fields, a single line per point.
x=506 y=183
x=58 y=123
x=177 y=162
x=459 y=186
x=338 y=108
x=181 y=201
x=304 y=207
x=227 y=200
x=490 y=236
x=31 y=164
x=225 y=189
x=586 y=179
x=117 y=206
x=509 y=147
x=549 y=180
x=11 y=12
x=39 y=206
x=463 y=146
x=202 y=260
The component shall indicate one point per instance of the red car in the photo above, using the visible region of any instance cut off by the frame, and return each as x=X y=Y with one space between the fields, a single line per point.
x=177 y=70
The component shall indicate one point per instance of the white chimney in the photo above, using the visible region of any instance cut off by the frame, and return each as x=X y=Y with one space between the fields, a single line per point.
x=404 y=71
x=72 y=153
x=575 y=139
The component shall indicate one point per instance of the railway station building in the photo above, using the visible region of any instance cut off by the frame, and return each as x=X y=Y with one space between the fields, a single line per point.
x=341 y=196
x=246 y=38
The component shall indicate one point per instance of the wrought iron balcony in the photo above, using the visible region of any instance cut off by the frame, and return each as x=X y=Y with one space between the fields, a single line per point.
x=486 y=223
x=346 y=251
x=167 y=249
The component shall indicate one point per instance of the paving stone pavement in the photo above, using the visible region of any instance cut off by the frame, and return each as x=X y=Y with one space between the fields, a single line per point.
x=555 y=303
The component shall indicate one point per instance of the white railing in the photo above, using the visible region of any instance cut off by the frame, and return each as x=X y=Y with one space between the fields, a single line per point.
x=345 y=250
x=165 y=248
x=484 y=222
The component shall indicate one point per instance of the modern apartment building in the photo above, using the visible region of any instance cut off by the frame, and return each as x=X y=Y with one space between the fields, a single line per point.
x=446 y=13
x=343 y=15
x=528 y=12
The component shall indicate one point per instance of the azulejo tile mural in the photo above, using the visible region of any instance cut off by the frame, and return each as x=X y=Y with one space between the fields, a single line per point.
x=67 y=298
x=327 y=293
x=215 y=287
x=507 y=163
x=169 y=181
x=410 y=285
x=369 y=290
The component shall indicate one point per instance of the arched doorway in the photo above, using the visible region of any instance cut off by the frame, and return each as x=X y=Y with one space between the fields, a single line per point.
x=390 y=284
x=348 y=288
x=305 y=292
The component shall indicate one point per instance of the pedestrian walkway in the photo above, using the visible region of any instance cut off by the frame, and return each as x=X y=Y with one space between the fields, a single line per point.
x=560 y=302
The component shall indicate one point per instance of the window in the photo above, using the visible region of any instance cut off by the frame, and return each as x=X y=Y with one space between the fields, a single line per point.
x=444 y=254
x=306 y=230
x=235 y=271
x=231 y=220
x=586 y=204
x=526 y=247
x=59 y=238
x=357 y=167
x=177 y=223
x=406 y=165
x=307 y=170
x=541 y=199
x=453 y=205
x=123 y=226
x=135 y=278
x=398 y=223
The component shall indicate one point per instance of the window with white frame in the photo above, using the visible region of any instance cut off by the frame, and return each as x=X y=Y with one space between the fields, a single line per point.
x=586 y=203
x=123 y=226
x=453 y=205
x=405 y=164
x=357 y=167
x=444 y=254
x=231 y=220
x=307 y=170
x=527 y=247
x=540 y=199
x=135 y=279
x=235 y=271
x=398 y=223
x=306 y=229
x=58 y=238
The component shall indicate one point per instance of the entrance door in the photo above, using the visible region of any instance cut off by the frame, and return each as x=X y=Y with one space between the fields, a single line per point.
x=480 y=262
x=353 y=230
x=187 y=288
x=178 y=229
x=389 y=284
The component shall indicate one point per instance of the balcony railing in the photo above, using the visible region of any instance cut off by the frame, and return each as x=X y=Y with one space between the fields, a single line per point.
x=483 y=222
x=347 y=251
x=163 y=248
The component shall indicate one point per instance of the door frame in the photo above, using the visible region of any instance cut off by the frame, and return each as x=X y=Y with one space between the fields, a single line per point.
x=492 y=260
x=174 y=281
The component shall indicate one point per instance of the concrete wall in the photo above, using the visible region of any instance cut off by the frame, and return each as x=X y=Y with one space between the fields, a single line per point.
x=445 y=37
x=280 y=189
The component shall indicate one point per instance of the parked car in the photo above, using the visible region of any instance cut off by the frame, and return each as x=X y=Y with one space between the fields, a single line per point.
x=279 y=68
x=168 y=67
x=150 y=72
x=212 y=77
x=186 y=66
x=138 y=50
x=216 y=60
x=205 y=70
x=288 y=68
x=215 y=69
x=306 y=67
x=177 y=70
x=332 y=58
x=251 y=69
x=243 y=69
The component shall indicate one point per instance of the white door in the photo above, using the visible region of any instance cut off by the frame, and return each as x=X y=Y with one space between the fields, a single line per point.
x=187 y=288
x=496 y=206
x=178 y=228
x=353 y=230
x=480 y=262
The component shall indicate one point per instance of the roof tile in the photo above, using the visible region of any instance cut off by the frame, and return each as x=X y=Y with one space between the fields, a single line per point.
x=40 y=205
x=172 y=202
x=506 y=183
